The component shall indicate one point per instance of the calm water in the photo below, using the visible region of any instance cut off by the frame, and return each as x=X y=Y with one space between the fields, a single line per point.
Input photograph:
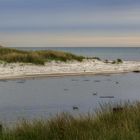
x=104 y=53
x=35 y=98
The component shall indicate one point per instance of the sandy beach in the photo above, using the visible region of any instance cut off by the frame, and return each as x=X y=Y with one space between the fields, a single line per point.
x=87 y=67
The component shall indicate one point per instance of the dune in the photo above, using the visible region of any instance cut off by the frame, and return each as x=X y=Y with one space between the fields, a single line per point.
x=86 y=67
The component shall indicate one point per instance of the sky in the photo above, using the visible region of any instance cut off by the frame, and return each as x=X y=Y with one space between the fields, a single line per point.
x=70 y=23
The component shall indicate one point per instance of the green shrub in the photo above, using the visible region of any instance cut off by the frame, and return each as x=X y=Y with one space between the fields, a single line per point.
x=118 y=61
x=114 y=62
x=96 y=58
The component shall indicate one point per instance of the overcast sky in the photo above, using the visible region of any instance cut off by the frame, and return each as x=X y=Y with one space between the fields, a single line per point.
x=91 y=23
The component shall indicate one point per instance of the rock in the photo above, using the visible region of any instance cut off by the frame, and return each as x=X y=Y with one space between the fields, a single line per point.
x=3 y=81
x=75 y=108
x=75 y=80
x=86 y=80
x=66 y=89
x=97 y=81
x=136 y=71
x=95 y=93
x=106 y=96
x=21 y=81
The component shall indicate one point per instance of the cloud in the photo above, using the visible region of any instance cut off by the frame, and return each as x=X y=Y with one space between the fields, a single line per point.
x=66 y=40
x=71 y=18
x=44 y=19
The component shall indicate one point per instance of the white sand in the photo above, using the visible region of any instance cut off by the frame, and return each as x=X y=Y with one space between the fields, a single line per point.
x=17 y=70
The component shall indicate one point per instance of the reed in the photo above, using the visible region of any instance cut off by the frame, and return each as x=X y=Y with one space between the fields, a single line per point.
x=106 y=124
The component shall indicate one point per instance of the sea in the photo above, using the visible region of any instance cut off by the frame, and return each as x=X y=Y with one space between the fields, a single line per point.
x=43 y=98
x=111 y=53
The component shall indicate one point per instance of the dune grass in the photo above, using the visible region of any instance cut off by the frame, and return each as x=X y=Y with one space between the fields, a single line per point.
x=36 y=57
x=118 y=61
x=106 y=125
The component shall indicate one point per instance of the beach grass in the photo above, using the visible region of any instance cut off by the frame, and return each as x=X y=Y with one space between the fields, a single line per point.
x=118 y=61
x=106 y=124
x=11 y=55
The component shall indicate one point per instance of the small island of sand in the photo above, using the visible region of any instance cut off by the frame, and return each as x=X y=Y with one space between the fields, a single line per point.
x=14 y=64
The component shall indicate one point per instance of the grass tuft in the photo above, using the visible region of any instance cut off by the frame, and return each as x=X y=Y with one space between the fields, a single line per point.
x=36 y=57
x=105 y=125
x=118 y=61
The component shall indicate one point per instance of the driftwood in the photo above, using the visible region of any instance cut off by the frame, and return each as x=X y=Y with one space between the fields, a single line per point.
x=136 y=71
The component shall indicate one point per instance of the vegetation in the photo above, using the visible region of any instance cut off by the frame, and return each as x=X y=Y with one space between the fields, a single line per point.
x=109 y=124
x=97 y=58
x=36 y=57
x=106 y=61
x=118 y=61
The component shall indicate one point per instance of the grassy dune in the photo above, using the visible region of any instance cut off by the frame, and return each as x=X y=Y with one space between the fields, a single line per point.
x=36 y=57
x=106 y=125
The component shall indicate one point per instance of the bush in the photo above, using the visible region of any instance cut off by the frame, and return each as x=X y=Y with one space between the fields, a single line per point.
x=118 y=61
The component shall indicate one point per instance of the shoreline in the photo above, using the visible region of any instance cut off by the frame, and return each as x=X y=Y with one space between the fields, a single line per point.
x=13 y=71
x=38 y=76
